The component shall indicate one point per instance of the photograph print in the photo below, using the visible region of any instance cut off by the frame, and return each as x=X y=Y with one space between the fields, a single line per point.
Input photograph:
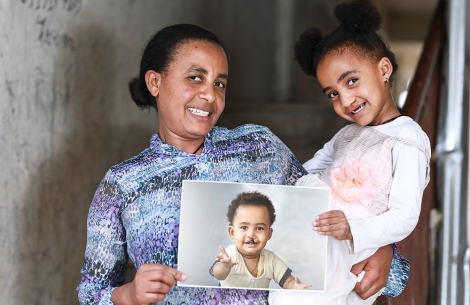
x=252 y=236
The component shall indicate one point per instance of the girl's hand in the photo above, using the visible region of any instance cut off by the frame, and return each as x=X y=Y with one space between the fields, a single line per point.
x=298 y=285
x=225 y=259
x=333 y=223
x=152 y=282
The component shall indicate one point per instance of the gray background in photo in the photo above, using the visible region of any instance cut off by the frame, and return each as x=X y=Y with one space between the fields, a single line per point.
x=203 y=227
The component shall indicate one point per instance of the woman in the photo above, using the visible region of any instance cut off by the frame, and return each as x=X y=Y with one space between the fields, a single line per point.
x=135 y=211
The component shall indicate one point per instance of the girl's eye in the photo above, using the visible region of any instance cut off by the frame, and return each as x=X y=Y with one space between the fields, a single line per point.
x=244 y=228
x=260 y=228
x=219 y=84
x=332 y=94
x=352 y=81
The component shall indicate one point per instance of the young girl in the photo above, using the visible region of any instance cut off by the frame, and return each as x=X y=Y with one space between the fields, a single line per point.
x=377 y=167
x=247 y=263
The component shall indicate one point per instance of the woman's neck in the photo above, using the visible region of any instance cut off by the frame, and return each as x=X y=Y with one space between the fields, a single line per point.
x=191 y=146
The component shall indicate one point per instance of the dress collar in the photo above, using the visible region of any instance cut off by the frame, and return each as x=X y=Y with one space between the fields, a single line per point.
x=161 y=147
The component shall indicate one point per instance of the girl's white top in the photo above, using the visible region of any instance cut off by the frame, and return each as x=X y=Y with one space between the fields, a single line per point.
x=410 y=172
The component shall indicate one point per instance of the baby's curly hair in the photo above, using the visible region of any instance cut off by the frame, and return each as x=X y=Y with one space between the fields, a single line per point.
x=359 y=20
x=251 y=199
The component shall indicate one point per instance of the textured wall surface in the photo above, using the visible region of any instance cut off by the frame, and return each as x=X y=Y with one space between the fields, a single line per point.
x=66 y=117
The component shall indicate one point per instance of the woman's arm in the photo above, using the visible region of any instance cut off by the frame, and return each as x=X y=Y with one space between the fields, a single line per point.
x=106 y=257
x=105 y=254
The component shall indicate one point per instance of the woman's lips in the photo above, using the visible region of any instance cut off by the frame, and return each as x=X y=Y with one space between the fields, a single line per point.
x=198 y=112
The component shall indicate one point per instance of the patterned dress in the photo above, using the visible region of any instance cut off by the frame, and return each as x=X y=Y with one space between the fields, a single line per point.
x=135 y=211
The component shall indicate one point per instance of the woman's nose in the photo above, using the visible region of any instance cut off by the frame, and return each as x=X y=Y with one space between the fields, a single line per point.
x=207 y=93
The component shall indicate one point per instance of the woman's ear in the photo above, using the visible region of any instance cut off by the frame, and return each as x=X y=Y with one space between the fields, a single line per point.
x=153 y=81
x=386 y=68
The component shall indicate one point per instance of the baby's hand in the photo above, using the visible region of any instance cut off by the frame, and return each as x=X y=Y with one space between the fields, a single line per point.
x=298 y=285
x=333 y=223
x=225 y=259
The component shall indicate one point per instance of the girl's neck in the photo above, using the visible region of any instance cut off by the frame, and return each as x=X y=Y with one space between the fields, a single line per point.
x=388 y=114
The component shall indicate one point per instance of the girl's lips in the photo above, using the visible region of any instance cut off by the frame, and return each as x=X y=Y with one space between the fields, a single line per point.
x=358 y=109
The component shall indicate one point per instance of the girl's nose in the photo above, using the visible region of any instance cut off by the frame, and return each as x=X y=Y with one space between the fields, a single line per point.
x=346 y=100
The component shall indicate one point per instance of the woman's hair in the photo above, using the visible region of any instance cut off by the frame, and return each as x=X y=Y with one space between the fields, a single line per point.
x=160 y=52
x=359 y=20
x=251 y=199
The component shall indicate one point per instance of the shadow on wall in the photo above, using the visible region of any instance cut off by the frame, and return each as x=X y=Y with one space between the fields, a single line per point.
x=87 y=138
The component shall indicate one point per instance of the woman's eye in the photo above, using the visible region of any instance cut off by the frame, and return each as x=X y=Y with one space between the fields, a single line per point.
x=196 y=78
x=219 y=84
x=352 y=81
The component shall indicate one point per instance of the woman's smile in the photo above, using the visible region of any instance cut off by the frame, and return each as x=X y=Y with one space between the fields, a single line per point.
x=199 y=112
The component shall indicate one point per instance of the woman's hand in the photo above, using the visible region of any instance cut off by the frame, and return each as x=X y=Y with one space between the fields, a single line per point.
x=151 y=284
x=377 y=268
x=333 y=223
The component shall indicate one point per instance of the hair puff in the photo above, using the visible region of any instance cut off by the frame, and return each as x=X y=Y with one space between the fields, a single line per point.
x=305 y=47
x=358 y=16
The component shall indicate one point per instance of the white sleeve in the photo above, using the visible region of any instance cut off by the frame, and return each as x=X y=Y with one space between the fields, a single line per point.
x=322 y=158
x=409 y=180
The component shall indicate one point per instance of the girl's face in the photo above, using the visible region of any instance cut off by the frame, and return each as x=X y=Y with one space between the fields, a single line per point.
x=357 y=87
x=191 y=93
x=250 y=230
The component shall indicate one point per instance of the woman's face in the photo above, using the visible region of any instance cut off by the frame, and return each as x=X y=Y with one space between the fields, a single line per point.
x=356 y=87
x=191 y=93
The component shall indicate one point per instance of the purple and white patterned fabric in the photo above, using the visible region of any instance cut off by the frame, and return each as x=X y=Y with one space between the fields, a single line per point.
x=135 y=211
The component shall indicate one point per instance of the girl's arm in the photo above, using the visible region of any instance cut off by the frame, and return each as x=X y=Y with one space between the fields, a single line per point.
x=406 y=193
x=322 y=158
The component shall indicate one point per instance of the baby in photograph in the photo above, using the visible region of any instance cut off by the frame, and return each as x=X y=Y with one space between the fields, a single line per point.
x=247 y=264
